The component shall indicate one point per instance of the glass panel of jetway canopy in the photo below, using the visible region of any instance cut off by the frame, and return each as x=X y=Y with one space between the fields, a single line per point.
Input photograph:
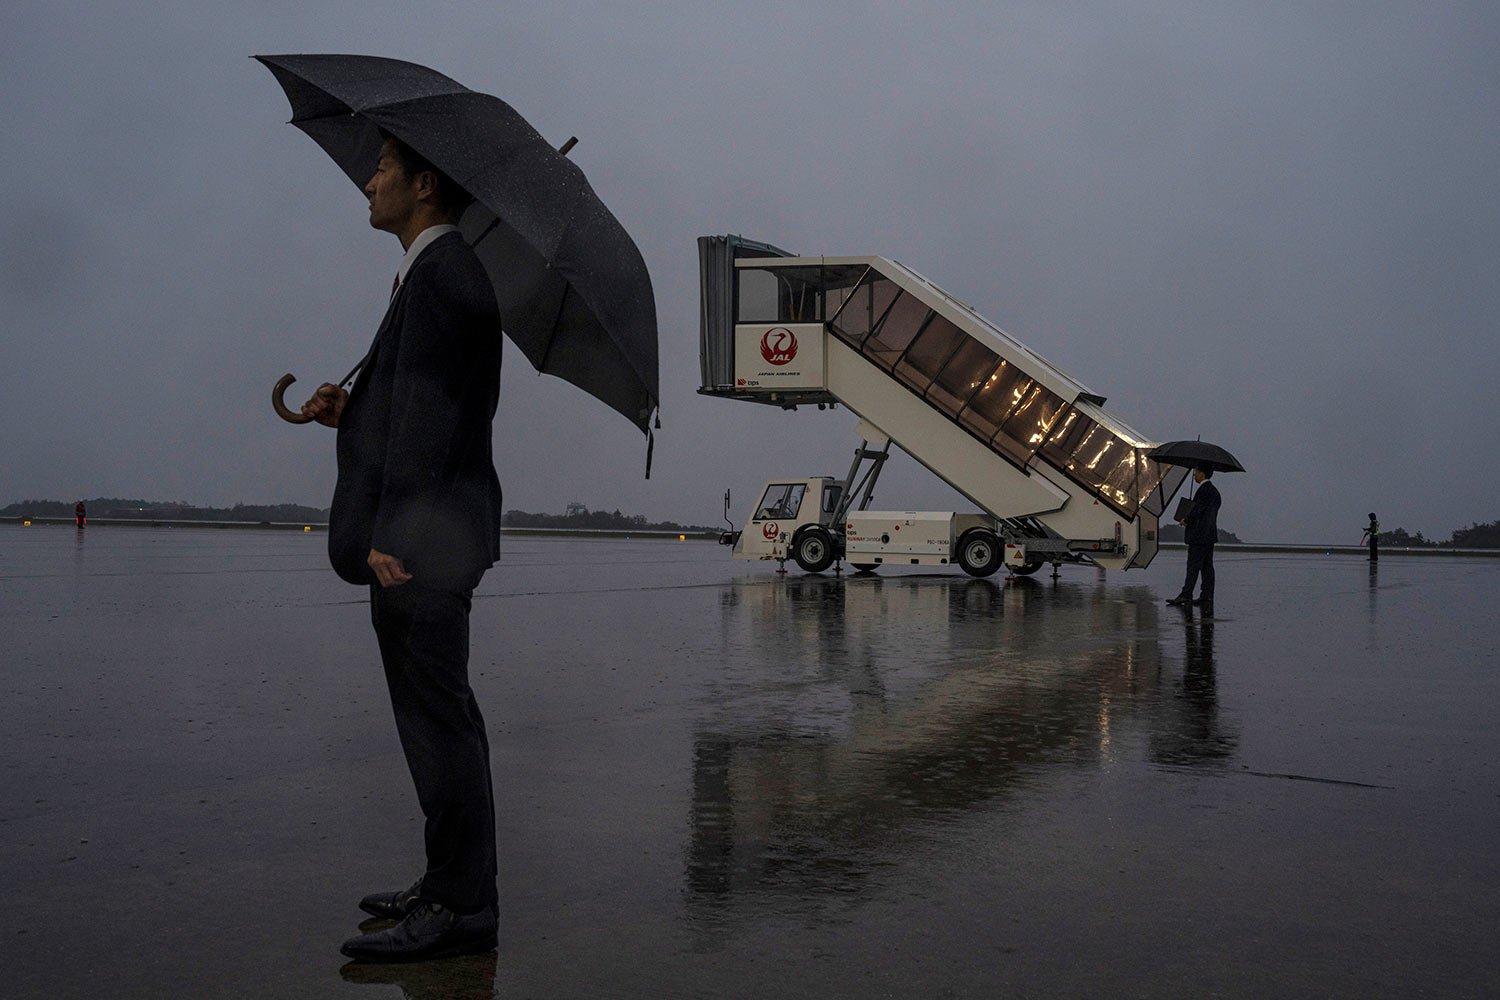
x=926 y=355
x=1108 y=465
x=984 y=393
x=863 y=311
x=792 y=294
x=1170 y=477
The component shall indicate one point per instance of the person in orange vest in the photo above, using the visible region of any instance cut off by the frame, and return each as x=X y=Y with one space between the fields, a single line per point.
x=1372 y=535
x=80 y=514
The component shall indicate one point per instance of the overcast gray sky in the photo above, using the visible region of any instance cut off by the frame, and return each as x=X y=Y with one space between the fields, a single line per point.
x=1274 y=225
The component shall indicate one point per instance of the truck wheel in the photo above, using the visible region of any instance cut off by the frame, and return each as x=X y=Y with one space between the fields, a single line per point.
x=1027 y=569
x=813 y=550
x=979 y=552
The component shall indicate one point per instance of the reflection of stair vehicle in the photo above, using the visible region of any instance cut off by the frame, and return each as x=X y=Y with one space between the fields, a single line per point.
x=1058 y=478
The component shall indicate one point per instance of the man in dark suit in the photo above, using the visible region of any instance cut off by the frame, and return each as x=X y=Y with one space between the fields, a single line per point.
x=416 y=518
x=1202 y=531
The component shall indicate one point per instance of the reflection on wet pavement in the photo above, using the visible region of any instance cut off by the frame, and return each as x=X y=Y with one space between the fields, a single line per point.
x=904 y=703
x=468 y=977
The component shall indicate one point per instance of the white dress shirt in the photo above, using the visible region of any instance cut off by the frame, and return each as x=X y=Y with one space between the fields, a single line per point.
x=419 y=244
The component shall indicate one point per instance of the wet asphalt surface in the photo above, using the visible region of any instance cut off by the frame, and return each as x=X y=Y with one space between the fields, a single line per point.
x=713 y=781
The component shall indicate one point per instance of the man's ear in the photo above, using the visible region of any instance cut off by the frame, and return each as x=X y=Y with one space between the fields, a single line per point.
x=426 y=185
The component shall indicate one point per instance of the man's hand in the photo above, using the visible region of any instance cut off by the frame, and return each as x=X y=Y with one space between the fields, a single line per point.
x=388 y=569
x=326 y=405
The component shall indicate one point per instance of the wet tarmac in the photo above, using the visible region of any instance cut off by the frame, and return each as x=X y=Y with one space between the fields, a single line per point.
x=713 y=781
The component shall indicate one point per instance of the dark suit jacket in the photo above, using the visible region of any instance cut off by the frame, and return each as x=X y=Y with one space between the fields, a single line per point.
x=416 y=476
x=1202 y=522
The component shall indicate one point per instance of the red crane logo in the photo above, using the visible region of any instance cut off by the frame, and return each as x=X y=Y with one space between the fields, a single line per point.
x=778 y=346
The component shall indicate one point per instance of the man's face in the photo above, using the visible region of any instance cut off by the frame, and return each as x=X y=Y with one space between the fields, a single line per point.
x=1198 y=476
x=392 y=194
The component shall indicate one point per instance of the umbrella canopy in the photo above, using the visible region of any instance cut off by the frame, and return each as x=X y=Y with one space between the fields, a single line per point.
x=1195 y=455
x=573 y=290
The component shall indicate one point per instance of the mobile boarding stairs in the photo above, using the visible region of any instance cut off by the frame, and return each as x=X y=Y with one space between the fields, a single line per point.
x=1021 y=439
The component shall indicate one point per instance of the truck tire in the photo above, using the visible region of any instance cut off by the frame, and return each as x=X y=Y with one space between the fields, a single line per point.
x=979 y=552
x=1027 y=569
x=813 y=549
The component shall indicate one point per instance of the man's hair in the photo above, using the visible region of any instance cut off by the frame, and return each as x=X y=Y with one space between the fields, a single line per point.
x=451 y=199
x=1207 y=473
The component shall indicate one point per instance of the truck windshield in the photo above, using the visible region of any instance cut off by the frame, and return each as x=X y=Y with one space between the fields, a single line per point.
x=782 y=501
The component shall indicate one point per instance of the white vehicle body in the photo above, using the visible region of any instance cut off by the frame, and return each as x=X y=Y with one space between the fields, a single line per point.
x=780 y=529
x=1032 y=448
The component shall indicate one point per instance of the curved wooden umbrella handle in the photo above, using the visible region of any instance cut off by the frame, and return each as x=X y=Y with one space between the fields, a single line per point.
x=282 y=410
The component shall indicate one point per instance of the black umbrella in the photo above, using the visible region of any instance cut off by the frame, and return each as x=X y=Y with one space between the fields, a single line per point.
x=573 y=290
x=1195 y=455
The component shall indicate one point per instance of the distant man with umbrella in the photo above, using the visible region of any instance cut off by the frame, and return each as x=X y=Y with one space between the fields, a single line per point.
x=416 y=516
x=1201 y=517
x=1202 y=531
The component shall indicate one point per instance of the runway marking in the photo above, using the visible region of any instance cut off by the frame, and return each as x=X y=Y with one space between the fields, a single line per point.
x=1285 y=775
x=1308 y=777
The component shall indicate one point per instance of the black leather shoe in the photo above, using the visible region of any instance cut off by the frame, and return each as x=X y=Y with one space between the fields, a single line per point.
x=1178 y=601
x=429 y=931
x=392 y=905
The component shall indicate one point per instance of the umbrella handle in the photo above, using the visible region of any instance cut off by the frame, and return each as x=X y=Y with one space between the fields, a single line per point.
x=282 y=410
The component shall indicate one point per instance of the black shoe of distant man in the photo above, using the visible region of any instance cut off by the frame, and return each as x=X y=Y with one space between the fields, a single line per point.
x=393 y=905
x=429 y=931
x=1181 y=600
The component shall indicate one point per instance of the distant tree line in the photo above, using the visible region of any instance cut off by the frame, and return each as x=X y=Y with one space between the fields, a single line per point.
x=1174 y=533
x=1475 y=536
x=579 y=516
x=158 y=510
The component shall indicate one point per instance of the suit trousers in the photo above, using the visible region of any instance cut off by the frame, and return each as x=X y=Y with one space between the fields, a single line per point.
x=1200 y=560
x=423 y=632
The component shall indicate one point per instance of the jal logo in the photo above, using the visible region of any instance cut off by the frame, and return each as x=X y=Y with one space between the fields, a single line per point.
x=771 y=530
x=778 y=346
